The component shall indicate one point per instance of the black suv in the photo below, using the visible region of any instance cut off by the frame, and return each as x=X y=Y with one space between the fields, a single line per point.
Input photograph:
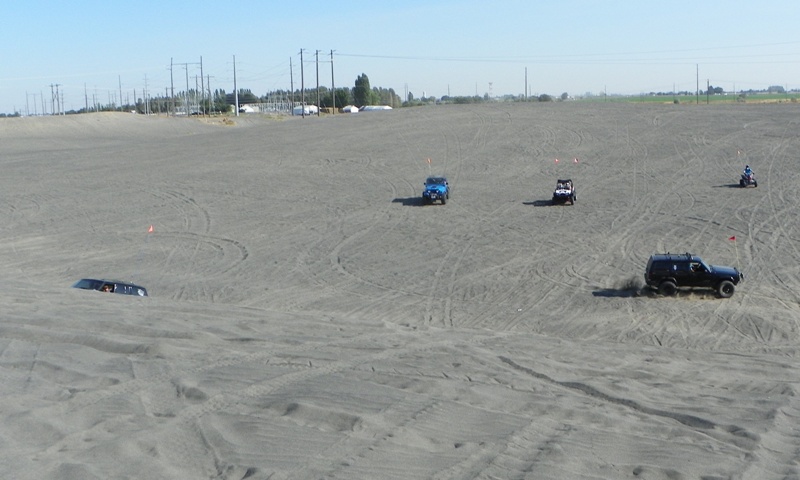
x=668 y=271
x=112 y=286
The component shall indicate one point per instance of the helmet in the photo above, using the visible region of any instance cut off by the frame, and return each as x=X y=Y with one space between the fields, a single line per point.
x=747 y=166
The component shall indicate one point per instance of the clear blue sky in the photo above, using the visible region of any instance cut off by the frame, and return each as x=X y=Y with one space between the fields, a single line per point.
x=426 y=47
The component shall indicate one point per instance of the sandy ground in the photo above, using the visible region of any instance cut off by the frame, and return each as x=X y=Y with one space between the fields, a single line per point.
x=308 y=318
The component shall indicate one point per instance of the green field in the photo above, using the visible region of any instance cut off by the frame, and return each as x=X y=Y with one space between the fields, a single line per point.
x=693 y=99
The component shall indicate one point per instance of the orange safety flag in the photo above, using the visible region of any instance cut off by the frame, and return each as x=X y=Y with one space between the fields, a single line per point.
x=150 y=230
x=733 y=238
x=429 y=161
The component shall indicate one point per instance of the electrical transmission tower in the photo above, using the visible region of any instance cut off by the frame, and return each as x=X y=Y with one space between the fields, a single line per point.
x=55 y=99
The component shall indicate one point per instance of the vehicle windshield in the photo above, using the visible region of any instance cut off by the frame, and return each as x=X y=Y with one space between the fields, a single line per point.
x=88 y=284
x=435 y=181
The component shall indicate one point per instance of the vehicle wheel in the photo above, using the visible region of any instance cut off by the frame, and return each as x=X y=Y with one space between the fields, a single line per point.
x=741 y=183
x=444 y=199
x=667 y=288
x=725 y=289
x=572 y=200
x=755 y=184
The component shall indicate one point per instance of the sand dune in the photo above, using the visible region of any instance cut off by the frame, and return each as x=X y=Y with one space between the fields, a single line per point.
x=308 y=318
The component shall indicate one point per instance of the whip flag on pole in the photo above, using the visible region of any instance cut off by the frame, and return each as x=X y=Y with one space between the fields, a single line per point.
x=735 y=247
x=150 y=230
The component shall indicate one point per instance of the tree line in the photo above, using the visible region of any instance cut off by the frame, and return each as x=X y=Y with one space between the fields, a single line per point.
x=194 y=102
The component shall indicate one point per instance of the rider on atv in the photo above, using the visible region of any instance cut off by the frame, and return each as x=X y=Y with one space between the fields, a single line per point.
x=748 y=177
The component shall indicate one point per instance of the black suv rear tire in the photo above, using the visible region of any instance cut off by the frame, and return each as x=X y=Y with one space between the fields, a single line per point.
x=667 y=288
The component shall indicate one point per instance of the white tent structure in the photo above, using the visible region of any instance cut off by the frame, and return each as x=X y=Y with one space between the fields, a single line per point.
x=305 y=110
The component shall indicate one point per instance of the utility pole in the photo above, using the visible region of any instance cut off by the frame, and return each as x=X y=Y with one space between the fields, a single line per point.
x=316 y=62
x=186 y=96
x=144 y=97
x=210 y=97
x=333 y=87
x=172 y=87
x=186 y=103
x=55 y=99
x=526 y=84
x=291 y=87
x=202 y=88
x=302 y=87
x=235 y=89
x=697 y=84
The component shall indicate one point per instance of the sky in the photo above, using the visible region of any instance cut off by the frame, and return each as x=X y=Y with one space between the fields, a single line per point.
x=97 y=50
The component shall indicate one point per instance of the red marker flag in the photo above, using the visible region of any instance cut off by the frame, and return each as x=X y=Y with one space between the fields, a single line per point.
x=576 y=160
x=150 y=230
x=556 y=160
x=733 y=238
x=429 y=161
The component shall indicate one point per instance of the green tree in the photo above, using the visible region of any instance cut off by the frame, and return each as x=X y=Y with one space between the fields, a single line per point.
x=362 y=93
x=385 y=96
x=246 y=96
x=220 y=101
x=342 y=96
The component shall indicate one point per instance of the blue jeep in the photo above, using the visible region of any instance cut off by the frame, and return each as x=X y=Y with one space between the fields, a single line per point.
x=436 y=188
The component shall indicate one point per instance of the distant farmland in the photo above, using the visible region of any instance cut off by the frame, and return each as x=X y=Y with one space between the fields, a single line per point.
x=716 y=99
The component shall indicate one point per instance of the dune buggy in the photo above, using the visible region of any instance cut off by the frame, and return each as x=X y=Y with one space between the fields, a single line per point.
x=564 y=192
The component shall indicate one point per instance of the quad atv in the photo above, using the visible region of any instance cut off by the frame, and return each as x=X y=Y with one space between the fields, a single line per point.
x=747 y=180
